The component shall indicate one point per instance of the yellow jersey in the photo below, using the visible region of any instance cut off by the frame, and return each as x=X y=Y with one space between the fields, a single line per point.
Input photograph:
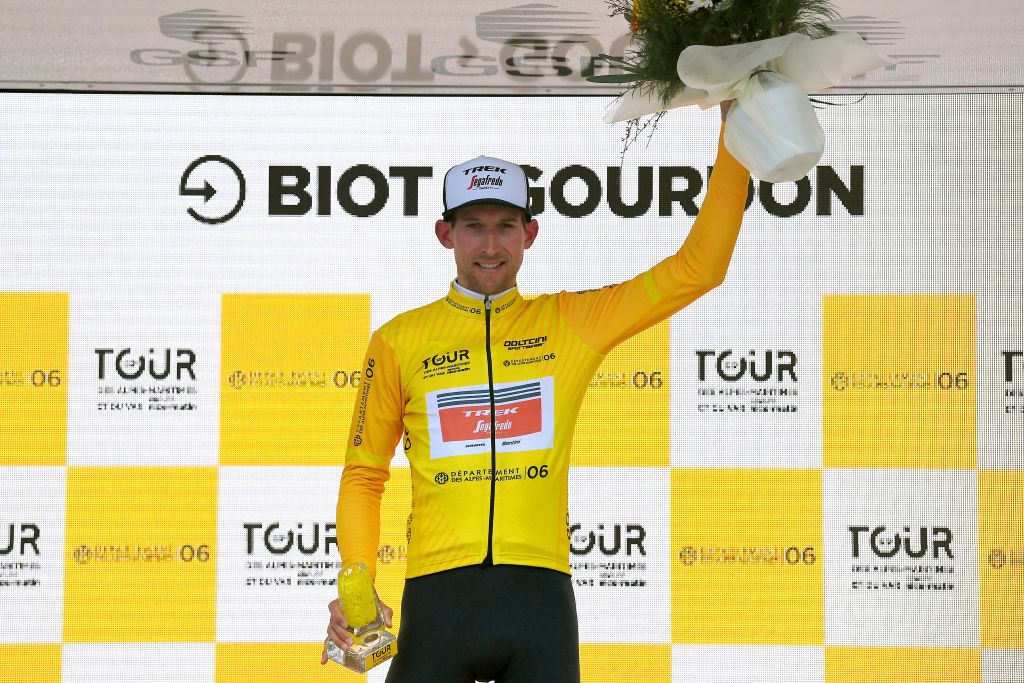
x=484 y=393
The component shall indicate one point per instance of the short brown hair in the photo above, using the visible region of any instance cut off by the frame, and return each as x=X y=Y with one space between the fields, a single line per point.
x=451 y=215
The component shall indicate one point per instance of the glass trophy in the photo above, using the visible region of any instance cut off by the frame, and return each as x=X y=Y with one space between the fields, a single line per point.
x=371 y=644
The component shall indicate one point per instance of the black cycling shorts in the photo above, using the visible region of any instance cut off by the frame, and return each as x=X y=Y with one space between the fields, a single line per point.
x=506 y=623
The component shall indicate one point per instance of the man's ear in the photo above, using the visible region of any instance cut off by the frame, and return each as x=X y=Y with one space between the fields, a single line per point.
x=443 y=230
x=531 y=232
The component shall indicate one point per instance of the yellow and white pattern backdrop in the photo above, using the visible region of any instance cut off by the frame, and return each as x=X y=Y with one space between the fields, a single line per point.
x=813 y=474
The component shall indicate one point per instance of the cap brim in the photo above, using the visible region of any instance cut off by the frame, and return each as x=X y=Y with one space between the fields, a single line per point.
x=488 y=200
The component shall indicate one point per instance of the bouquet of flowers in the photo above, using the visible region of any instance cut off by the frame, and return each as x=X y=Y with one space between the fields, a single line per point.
x=765 y=54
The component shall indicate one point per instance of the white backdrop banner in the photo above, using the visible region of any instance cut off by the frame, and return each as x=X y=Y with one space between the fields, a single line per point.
x=820 y=457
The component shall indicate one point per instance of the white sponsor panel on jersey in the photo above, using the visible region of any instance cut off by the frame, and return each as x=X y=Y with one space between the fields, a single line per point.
x=460 y=420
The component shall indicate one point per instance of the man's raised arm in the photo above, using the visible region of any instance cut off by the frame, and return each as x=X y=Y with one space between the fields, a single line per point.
x=606 y=317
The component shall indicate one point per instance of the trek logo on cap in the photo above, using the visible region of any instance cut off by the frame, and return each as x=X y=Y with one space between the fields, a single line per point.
x=477 y=169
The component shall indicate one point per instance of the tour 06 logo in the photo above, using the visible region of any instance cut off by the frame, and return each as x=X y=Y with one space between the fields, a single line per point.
x=902 y=557
x=754 y=381
x=290 y=554
x=608 y=554
x=460 y=421
x=133 y=379
x=20 y=562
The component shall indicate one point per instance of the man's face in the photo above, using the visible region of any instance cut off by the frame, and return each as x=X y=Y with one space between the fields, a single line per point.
x=489 y=241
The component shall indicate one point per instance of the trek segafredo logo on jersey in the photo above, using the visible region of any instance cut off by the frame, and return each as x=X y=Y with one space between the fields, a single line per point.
x=460 y=418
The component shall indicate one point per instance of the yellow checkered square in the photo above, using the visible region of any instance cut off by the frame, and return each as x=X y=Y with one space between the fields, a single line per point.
x=33 y=378
x=902 y=664
x=898 y=381
x=291 y=366
x=618 y=662
x=30 y=663
x=746 y=557
x=140 y=560
x=624 y=419
x=1001 y=545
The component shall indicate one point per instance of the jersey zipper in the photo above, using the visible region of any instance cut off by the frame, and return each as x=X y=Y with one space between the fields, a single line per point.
x=489 y=559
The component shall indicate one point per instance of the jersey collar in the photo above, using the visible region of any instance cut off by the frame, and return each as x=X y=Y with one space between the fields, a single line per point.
x=465 y=302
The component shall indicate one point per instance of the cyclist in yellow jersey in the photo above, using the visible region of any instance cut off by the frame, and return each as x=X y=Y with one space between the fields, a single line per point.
x=483 y=388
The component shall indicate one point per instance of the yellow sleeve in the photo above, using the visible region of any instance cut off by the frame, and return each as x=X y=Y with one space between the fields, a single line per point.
x=373 y=436
x=606 y=317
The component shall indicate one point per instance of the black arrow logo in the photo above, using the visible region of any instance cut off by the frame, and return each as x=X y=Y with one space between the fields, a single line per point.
x=207 y=190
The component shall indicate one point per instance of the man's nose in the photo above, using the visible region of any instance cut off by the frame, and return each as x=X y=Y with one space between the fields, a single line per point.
x=491 y=239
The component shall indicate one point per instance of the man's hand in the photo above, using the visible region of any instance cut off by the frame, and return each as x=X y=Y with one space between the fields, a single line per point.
x=724 y=106
x=336 y=628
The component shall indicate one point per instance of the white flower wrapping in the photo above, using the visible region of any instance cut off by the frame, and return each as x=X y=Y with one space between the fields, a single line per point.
x=772 y=128
x=696 y=5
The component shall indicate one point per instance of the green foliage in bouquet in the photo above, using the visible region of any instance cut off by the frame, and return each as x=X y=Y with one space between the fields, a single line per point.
x=664 y=28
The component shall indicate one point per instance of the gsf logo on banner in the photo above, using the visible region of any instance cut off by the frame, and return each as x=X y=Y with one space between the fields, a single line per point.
x=523 y=43
x=516 y=46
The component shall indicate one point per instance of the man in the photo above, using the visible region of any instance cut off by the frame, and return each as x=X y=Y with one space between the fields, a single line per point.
x=485 y=387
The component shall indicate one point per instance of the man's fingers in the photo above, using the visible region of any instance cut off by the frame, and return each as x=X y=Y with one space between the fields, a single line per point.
x=323 y=657
x=388 y=613
x=337 y=614
x=339 y=637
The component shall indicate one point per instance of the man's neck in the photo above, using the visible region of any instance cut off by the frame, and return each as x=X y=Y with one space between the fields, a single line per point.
x=477 y=295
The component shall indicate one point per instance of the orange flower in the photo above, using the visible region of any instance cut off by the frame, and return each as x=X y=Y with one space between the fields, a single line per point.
x=638 y=13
